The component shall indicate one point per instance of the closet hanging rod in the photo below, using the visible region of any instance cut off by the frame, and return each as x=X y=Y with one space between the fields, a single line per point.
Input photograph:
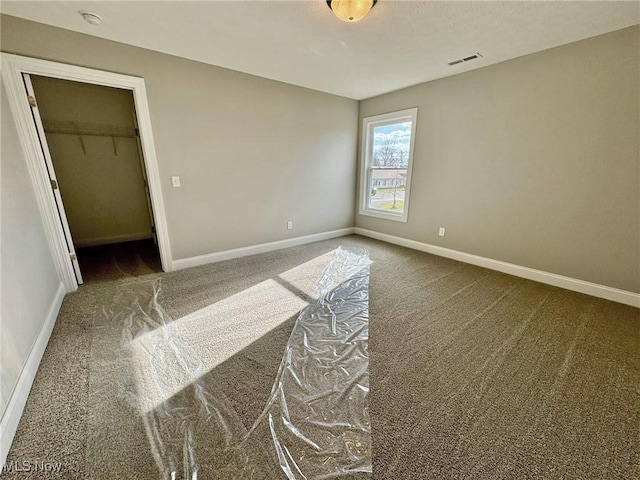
x=87 y=134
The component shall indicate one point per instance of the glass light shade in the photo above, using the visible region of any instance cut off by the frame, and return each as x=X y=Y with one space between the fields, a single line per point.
x=351 y=10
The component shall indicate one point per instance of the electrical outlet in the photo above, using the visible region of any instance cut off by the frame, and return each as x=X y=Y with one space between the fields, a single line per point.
x=290 y=225
x=441 y=232
x=175 y=181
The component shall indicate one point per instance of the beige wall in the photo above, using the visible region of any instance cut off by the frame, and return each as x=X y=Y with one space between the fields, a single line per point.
x=251 y=153
x=534 y=161
x=29 y=279
x=102 y=187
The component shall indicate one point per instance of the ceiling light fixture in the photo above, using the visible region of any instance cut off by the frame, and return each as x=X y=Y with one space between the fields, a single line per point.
x=351 y=10
x=90 y=17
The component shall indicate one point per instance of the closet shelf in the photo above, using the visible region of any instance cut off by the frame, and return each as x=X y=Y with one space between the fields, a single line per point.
x=88 y=129
x=87 y=133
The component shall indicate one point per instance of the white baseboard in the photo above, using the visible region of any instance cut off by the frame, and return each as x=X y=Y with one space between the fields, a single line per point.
x=128 y=237
x=17 y=401
x=593 y=289
x=255 y=249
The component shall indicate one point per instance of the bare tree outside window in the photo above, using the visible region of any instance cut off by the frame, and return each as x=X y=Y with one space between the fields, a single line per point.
x=399 y=161
x=392 y=157
x=386 y=154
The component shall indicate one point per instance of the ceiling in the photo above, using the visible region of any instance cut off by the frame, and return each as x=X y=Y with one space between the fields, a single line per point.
x=400 y=43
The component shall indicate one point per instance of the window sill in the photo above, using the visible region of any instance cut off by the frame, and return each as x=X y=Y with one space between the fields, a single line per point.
x=396 y=217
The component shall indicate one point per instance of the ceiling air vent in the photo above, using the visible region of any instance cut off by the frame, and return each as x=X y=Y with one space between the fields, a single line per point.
x=465 y=59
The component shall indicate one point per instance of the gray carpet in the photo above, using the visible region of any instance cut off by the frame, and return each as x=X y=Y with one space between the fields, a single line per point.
x=474 y=374
x=118 y=260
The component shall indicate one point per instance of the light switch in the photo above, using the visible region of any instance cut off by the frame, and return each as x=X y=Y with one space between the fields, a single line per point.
x=175 y=181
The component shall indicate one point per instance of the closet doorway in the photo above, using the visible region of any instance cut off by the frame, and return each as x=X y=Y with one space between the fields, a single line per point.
x=91 y=145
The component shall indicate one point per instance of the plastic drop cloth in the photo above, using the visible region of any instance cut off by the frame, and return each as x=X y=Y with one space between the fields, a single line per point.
x=315 y=423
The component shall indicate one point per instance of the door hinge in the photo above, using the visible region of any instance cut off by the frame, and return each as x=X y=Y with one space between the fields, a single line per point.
x=32 y=101
x=54 y=184
x=137 y=132
x=73 y=256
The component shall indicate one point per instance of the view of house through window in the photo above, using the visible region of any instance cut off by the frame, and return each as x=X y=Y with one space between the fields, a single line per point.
x=388 y=152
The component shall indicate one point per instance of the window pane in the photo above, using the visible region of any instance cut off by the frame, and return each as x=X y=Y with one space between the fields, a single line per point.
x=391 y=145
x=388 y=174
x=387 y=187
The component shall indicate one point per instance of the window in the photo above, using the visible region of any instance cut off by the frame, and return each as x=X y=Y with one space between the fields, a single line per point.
x=387 y=157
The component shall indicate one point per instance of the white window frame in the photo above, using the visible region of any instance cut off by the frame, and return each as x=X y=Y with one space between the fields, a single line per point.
x=368 y=124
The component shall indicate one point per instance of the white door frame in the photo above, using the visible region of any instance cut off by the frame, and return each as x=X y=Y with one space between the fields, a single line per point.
x=13 y=66
x=35 y=110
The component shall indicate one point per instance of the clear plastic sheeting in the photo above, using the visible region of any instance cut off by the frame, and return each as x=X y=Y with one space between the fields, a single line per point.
x=315 y=423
